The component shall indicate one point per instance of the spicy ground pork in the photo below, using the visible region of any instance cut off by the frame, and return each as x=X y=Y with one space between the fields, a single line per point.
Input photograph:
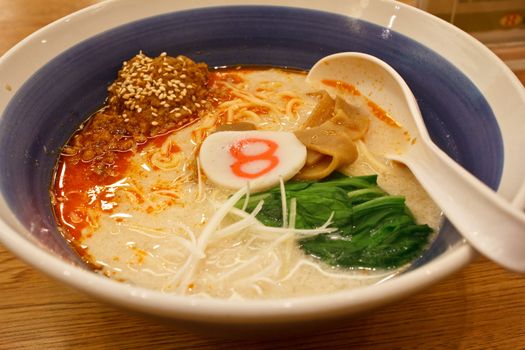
x=149 y=97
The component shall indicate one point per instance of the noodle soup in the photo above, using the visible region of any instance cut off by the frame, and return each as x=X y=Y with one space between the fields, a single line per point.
x=150 y=216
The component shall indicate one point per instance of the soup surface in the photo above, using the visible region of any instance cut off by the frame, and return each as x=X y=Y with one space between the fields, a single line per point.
x=146 y=214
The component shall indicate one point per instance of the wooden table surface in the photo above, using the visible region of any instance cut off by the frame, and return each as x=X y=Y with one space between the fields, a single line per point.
x=481 y=307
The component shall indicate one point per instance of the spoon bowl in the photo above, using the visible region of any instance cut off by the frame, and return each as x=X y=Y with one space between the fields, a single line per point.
x=493 y=226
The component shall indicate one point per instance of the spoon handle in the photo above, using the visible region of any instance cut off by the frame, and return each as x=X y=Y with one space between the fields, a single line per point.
x=519 y=199
x=491 y=225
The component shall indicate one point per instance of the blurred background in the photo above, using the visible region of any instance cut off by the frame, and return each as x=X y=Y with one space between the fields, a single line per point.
x=499 y=24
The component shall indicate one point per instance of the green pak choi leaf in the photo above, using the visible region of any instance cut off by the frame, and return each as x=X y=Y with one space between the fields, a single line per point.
x=375 y=230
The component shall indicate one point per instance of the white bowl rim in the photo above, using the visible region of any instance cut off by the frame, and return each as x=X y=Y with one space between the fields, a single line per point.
x=276 y=311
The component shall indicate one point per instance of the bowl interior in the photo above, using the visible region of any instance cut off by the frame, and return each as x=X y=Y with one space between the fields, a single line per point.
x=48 y=108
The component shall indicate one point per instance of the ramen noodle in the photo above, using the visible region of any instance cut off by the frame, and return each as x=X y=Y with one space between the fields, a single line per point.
x=138 y=208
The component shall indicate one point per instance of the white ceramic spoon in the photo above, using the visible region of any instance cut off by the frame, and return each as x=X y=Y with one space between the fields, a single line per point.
x=488 y=222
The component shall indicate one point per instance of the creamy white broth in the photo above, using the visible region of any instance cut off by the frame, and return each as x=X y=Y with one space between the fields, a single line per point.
x=163 y=202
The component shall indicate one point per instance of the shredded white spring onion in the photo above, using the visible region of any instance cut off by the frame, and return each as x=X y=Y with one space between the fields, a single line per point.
x=204 y=237
x=255 y=258
x=283 y=202
x=305 y=262
x=260 y=227
x=247 y=198
x=241 y=224
x=293 y=213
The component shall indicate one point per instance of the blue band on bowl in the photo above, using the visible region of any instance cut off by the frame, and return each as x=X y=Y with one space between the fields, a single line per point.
x=48 y=108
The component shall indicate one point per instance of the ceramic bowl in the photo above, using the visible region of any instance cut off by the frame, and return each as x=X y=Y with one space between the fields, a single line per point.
x=51 y=81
